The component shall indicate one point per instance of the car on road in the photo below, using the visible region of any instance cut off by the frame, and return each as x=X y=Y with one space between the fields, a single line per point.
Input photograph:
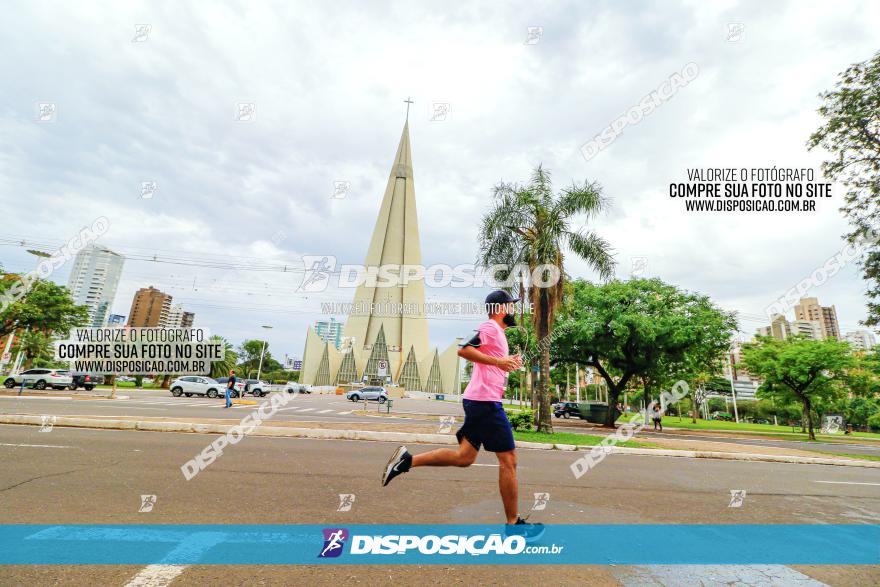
x=87 y=381
x=255 y=387
x=370 y=393
x=567 y=410
x=293 y=387
x=191 y=385
x=237 y=390
x=39 y=379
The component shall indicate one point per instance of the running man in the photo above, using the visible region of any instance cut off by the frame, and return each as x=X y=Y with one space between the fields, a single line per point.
x=485 y=422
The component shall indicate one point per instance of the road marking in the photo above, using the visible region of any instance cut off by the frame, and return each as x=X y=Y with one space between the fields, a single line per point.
x=344 y=413
x=156 y=576
x=308 y=409
x=35 y=445
x=323 y=411
x=713 y=575
x=34 y=397
x=846 y=483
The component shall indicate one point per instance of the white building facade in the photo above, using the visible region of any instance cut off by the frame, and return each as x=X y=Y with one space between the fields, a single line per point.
x=93 y=281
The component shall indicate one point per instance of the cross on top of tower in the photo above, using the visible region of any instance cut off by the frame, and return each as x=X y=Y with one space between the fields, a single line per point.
x=408 y=101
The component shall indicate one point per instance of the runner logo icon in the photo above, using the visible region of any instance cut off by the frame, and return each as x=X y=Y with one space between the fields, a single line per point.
x=334 y=542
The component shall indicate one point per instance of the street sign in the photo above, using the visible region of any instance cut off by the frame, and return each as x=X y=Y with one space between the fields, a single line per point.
x=6 y=358
x=297 y=365
x=382 y=368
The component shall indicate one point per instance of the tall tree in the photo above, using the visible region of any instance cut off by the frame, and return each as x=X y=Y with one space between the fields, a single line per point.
x=851 y=133
x=249 y=356
x=528 y=225
x=47 y=307
x=223 y=367
x=36 y=347
x=627 y=329
x=799 y=369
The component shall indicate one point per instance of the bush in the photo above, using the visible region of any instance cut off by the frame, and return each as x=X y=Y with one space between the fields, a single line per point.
x=521 y=420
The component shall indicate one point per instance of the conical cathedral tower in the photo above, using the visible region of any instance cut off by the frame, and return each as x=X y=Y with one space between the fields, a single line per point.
x=388 y=324
x=395 y=243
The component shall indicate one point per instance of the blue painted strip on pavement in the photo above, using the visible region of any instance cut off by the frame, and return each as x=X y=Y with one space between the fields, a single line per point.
x=628 y=544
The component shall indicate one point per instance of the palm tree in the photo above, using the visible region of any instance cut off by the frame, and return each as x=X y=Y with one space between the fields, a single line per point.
x=529 y=225
x=36 y=346
x=222 y=367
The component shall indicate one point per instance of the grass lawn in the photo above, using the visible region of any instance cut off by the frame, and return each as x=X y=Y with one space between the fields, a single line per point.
x=572 y=438
x=686 y=422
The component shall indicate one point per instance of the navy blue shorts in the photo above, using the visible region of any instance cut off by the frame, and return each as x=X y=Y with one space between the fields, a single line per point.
x=486 y=424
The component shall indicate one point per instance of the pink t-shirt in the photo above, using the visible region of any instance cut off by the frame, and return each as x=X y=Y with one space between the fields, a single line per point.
x=488 y=382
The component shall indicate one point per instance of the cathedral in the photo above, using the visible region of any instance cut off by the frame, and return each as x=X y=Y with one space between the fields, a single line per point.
x=381 y=346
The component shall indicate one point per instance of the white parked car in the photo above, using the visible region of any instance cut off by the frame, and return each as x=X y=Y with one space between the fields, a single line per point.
x=191 y=385
x=39 y=379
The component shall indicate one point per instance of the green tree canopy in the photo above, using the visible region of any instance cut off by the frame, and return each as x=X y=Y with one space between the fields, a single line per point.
x=851 y=134
x=47 y=307
x=627 y=329
x=799 y=369
x=249 y=357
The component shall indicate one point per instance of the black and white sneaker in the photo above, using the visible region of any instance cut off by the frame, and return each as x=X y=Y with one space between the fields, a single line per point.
x=400 y=462
x=529 y=531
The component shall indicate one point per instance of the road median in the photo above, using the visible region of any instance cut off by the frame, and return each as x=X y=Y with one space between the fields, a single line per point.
x=323 y=433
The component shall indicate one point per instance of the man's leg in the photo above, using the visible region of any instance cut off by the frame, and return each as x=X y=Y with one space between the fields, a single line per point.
x=446 y=457
x=508 y=485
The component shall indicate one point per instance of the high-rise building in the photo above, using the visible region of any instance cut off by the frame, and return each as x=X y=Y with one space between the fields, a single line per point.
x=329 y=331
x=178 y=318
x=826 y=316
x=94 y=279
x=861 y=340
x=781 y=328
x=150 y=308
x=116 y=320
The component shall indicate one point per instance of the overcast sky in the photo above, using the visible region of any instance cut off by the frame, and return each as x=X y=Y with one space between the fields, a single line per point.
x=328 y=82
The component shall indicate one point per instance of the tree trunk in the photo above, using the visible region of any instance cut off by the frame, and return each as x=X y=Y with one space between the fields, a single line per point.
x=808 y=411
x=166 y=382
x=545 y=424
x=613 y=395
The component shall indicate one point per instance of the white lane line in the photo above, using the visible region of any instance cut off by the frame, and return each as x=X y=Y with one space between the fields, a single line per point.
x=156 y=576
x=34 y=397
x=323 y=411
x=846 y=483
x=344 y=413
x=35 y=445
x=308 y=409
x=286 y=409
x=713 y=575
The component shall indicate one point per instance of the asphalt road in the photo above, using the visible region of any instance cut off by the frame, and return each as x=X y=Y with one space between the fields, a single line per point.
x=98 y=476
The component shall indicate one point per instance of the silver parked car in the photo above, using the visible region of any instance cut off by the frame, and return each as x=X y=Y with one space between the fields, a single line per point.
x=40 y=379
x=371 y=393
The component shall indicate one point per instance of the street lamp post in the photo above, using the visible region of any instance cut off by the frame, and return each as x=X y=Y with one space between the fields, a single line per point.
x=262 y=352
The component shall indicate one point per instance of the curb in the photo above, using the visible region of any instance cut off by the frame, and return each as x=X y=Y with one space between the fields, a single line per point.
x=373 y=435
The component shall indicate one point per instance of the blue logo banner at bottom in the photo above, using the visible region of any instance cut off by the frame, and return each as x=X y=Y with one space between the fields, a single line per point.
x=26 y=544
